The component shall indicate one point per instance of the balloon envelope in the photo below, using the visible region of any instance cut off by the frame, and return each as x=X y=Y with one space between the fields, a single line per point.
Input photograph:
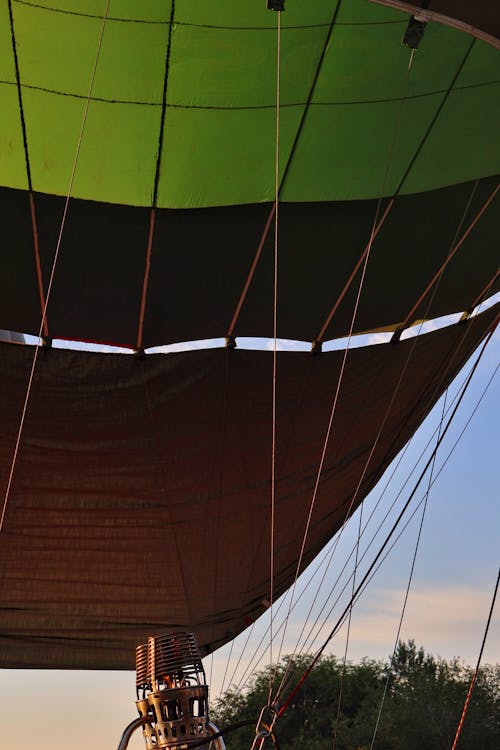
x=141 y=495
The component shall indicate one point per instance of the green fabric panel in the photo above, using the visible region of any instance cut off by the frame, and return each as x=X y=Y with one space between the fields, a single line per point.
x=253 y=13
x=453 y=154
x=345 y=149
x=371 y=64
x=134 y=10
x=12 y=161
x=482 y=66
x=364 y=11
x=7 y=69
x=199 y=73
x=228 y=158
x=224 y=153
x=118 y=153
x=60 y=56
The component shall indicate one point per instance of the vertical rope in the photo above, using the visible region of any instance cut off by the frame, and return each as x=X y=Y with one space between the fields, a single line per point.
x=377 y=560
x=53 y=269
x=31 y=198
x=410 y=577
x=349 y=620
x=154 y=201
x=456 y=245
x=376 y=225
x=476 y=671
x=275 y=339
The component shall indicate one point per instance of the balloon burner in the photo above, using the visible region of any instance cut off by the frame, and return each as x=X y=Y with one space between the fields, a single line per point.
x=172 y=694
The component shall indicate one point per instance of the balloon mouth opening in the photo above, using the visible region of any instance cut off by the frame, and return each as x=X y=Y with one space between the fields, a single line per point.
x=261 y=343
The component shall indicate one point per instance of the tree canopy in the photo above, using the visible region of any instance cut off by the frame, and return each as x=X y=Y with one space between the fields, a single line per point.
x=424 y=697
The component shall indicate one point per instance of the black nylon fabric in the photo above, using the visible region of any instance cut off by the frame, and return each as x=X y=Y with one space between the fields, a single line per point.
x=201 y=260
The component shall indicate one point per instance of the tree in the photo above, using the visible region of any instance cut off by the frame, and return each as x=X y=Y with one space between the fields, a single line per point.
x=422 y=708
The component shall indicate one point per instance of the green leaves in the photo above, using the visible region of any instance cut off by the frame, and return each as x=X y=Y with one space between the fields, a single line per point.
x=421 y=710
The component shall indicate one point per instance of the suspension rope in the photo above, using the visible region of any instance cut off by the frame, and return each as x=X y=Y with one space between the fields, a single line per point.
x=361 y=259
x=365 y=258
x=219 y=481
x=145 y=281
x=255 y=659
x=387 y=513
x=377 y=228
x=438 y=473
x=289 y=161
x=53 y=269
x=455 y=247
x=227 y=666
x=395 y=525
x=34 y=226
x=327 y=557
x=481 y=296
x=156 y=183
x=376 y=533
x=402 y=181
x=410 y=576
x=249 y=634
x=349 y=619
x=303 y=648
x=38 y=265
x=382 y=425
x=476 y=671
x=439 y=276
x=234 y=320
x=275 y=359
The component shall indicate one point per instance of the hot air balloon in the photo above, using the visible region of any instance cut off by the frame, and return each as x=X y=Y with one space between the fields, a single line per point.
x=148 y=188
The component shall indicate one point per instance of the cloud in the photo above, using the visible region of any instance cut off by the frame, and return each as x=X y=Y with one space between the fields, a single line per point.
x=379 y=338
x=447 y=620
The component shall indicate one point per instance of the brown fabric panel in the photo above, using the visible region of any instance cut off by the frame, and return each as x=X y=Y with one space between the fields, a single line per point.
x=141 y=495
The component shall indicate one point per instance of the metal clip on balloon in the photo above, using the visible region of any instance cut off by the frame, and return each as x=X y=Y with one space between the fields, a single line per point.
x=414 y=32
x=264 y=730
x=172 y=695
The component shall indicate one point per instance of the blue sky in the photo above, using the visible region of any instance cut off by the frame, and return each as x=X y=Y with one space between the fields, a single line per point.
x=453 y=582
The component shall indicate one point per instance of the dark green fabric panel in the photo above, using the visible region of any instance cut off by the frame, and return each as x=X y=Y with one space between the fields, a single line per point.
x=468 y=150
x=100 y=271
x=482 y=66
x=364 y=12
x=19 y=297
x=199 y=265
x=201 y=260
x=322 y=250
